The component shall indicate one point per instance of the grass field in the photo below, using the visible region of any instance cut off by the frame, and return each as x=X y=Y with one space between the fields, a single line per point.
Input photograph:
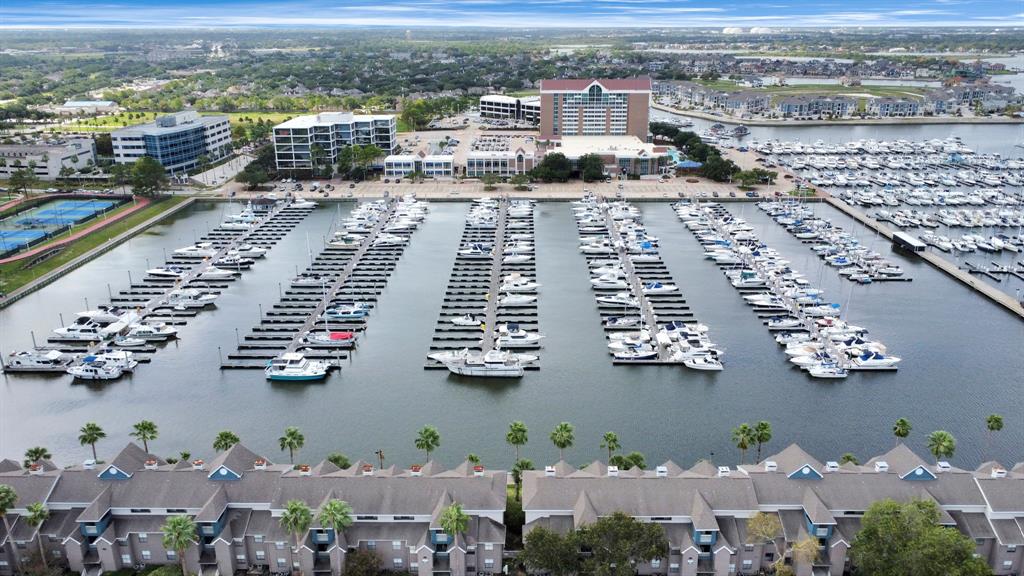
x=521 y=93
x=13 y=276
x=115 y=121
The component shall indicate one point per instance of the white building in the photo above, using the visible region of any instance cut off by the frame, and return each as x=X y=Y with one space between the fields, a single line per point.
x=526 y=109
x=177 y=140
x=499 y=162
x=87 y=107
x=620 y=154
x=430 y=165
x=47 y=158
x=331 y=131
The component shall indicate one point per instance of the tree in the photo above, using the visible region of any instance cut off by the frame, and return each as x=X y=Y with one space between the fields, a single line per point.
x=8 y=498
x=764 y=527
x=145 y=431
x=805 y=551
x=490 y=181
x=849 y=458
x=743 y=437
x=591 y=167
x=336 y=514
x=901 y=539
x=23 y=180
x=148 y=176
x=253 y=176
x=35 y=454
x=548 y=551
x=994 y=423
x=517 y=474
x=563 y=437
x=362 y=562
x=292 y=440
x=473 y=459
x=90 y=434
x=762 y=436
x=224 y=441
x=346 y=161
x=719 y=169
x=37 y=514
x=179 y=535
x=521 y=182
x=626 y=461
x=454 y=520
x=610 y=442
x=553 y=167
x=64 y=175
x=203 y=162
x=619 y=541
x=296 y=520
x=517 y=435
x=364 y=155
x=121 y=174
x=941 y=444
x=901 y=429
x=428 y=439
x=339 y=460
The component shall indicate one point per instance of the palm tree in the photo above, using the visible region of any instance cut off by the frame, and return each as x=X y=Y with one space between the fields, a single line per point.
x=145 y=431
x=901 y=429
x=37 y=514
x=994 y=423
x=292 y=440
x=428 y=440
x=8 y=498
x=473 y=459
x=517 y=474
x=90 y=434
x=517 y=435
x=743 y=437
x=941 y=444
x=849 y=458
x=562 y=437
x=337 y=515
x=36 y=454
x=179 y=535
x=762 y=435
x=296 y=520
x=225 y=440
x=453 y=520
x=610 y=441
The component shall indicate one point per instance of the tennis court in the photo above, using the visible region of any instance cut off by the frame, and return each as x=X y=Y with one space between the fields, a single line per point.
x=35 y=225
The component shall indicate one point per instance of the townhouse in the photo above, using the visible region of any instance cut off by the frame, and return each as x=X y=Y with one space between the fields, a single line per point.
x=297 y=140
x=109 y=517
x=704 y=509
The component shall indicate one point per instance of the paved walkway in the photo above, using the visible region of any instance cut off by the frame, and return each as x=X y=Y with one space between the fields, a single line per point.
x=140 y=203
x=219 y=175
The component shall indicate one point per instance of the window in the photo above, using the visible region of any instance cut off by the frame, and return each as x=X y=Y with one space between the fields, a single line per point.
x=656 y=563
x=366 y=517
x=126 y=558
x=1007 y=563
x=261 y=555
x=396 y=544
x=241 y=558
x=147 y=555
x=748 y=547
x=281 y=563
x=488 y=545
x=397 y=563
x=143 y=537
x=673 y=568
x=404 y=518
x=258 y=538
x=279 y=545
x=55 y=553
x=172 y=555
x=488 y=564
x=176 y=511
x=747 y=564
x=371 y=545
x=1011 y=548
x=140 y=510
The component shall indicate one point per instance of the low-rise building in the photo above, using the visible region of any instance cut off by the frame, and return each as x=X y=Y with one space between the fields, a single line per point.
x=797 y=106
x=177 y=141
x=890 y=107
x=109 y=517
x=47 y=158
x=327 y=133
x=87 y=107
x=499 y=106
x=621 y=154
x=430 y=165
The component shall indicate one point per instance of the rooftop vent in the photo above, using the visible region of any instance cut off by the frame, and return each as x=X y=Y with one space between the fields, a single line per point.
x=416 y=470
x=478 y=470
x=944 y=466
x=613 y=471
x=367 y=469
x=998 y=472
x=831 y=466
x=150 y=464
x=770 y=466
x=35 y=469
x=723 y=471
x=881 y=466
x=259 y=464
x=89 y=464
x=549 y=471
x=661 y=471
x=304 y=470
x=197 y=464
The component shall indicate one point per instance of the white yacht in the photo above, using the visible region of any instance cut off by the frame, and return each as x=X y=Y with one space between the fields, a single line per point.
x=200 y=250
x=476 y=251
x=512 y=336
x=84 y=330
x=516 y=258
x=517 y=300
x=214 y=273
x=152 y=331
x=173 y=272
x=37 y=360
x=618 y=299
x=494 y=363
x=638 y=352
x=95 y=370
x=659 y=288
x=706 y=362
x=465 y=320
x=608 y=282
x=294 y=367
x=875 y=361
x=189 y=299
x=827 y=371
x=332 y=339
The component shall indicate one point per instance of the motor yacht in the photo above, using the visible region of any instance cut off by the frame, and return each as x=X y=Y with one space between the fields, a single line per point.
x=516 y=258
x=827 y=371
x=152 y=331
x=608 y=282
x=637 y=352
x=619 y=299
x=495 y=363
x=95 y=370
x=465 y=320
x=189 y=299
x=620 y=322
x=512 y=336
x=332 y=339
x=233 y=263
x=200 y=250
x=706 y=362
x=214 y=273
x=249 y=251
x=516 y=300
x=37 y=360
x=294 y=367
x=126 y=342
x=875 y=361
x=652 y=288
x=476 y=251
x=312 y=280
x=353 y=311
x=171 y=272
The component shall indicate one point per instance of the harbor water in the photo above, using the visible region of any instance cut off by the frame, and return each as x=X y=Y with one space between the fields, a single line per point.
x=962 y=360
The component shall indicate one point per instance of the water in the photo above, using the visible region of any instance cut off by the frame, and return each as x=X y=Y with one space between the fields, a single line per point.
x=962 y=362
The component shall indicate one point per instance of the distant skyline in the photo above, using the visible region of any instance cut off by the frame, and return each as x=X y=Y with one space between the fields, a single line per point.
x=507 y=14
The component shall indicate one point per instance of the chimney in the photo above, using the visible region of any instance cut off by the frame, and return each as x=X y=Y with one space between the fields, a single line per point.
x=367 y=469
x=89 y=464
x=150 y=464
x=259 y=464
x=943 y=466
x=661 y=472
x=416 y=470
x=549 y=471
x=831 y=466
x=35 y=469
x=197 y=464
x=881 y=466
x=478 y=470
x=770 y=466
x=723 y=471
x=304 y=470
x=613 y=471
x=998 y=472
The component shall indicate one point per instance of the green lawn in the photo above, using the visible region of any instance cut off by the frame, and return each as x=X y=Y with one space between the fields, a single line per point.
x=115 y=121
x=836 y=89
x=721 y=84
x=13 y=276
x=521 y=93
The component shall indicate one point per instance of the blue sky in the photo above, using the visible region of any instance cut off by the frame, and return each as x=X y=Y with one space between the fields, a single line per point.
x=507 y=13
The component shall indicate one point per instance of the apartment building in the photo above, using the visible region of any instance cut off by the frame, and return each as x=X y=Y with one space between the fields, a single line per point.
x=107 y=517
x=499 y=106
x=176 y=140
x=296 y=140
x=46 y=158
x=595 y=107
x=704 y=509
x=888 y=107
x=798 y=106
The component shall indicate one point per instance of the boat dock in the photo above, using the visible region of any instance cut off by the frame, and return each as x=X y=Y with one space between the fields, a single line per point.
x=474 y=290
x=337 y=275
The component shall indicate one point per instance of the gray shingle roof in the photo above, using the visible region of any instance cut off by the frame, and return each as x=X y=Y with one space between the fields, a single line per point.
x=1003 y=494
x=816 y=509
x=1008 y=532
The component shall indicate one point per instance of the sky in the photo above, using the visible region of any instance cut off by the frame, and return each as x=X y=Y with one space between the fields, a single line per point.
x=507 y=13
